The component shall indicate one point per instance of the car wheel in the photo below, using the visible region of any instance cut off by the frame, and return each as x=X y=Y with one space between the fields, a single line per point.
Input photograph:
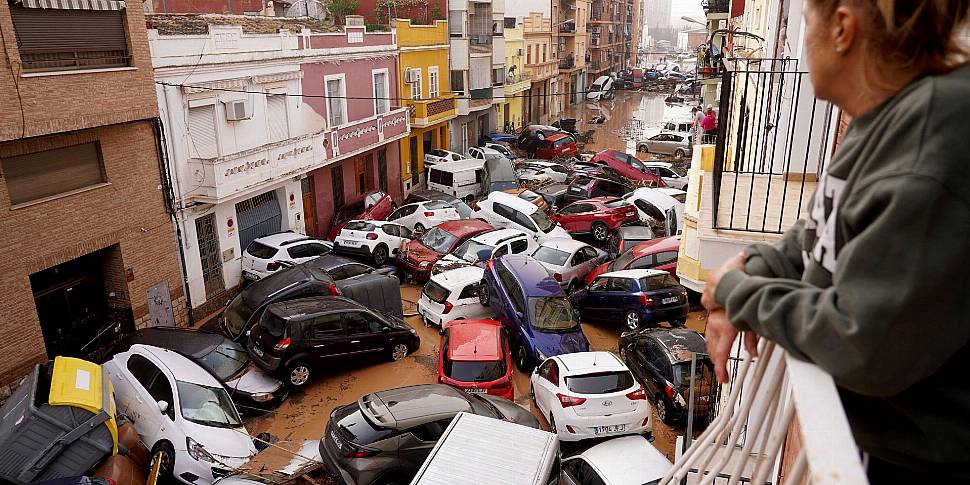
x=680 y=322
x=164 y=454
x=483 y=296
x=680 y=154
x=662 y=412
x=298 y=374
x=380 y=255
x=399 y=351
x=600 y=232
x=522 y=359
x=643 y=148
x=632 y=320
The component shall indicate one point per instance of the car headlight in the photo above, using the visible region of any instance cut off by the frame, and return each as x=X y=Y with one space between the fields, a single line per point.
x=424 y=264
x=197 y=451
x=262 y=396
x=413 y=331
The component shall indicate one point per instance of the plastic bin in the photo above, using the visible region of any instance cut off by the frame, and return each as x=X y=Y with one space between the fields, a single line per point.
x=59 y=423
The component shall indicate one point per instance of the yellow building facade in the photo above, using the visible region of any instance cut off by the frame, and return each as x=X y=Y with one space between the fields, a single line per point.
x=424 y=87
x=511 y=111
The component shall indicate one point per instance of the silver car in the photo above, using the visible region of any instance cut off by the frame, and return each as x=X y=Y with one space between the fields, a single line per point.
x=667 y=143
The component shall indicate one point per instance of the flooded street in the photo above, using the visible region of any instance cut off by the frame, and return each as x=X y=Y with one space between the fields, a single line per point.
x=631 y=116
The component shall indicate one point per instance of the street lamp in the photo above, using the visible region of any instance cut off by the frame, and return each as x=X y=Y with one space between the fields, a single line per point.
x=688 y=19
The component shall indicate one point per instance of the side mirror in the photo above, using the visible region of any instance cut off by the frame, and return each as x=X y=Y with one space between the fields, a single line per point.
x=162 y=406
x=519 y=314
x=385 y=329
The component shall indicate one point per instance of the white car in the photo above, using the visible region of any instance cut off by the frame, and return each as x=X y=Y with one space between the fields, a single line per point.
x=263 y=256
x=437 y=156
x=485 y=153
x=590 y=395
x=452 y=295
x=377 y=240
x=486 y=246
x=506 y=210
x=673 y=143
x=665 y=170
x=655 y=206
x=541 y=171
x=628 y=460
x=568 y=260
x=423 y=215
x=677 y=194
x=504 y=150
x=181 y=409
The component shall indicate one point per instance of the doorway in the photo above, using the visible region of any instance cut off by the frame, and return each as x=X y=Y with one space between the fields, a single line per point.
x=309 y=206
x=415 y=175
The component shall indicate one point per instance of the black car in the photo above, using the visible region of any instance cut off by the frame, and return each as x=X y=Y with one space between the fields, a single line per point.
x=249 y=386
x=428 y=195
x=591 y=187
x=553 y=194
x=661 y=360
x=295 y=338
x=384 y=437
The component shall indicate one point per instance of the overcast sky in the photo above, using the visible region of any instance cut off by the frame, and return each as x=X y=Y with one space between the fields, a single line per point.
x=690 y=8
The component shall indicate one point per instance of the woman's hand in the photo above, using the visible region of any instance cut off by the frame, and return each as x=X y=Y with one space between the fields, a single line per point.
x=720 y=335
x=707 y=297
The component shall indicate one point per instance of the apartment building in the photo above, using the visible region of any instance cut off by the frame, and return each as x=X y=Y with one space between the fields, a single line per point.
x=573 y=45
x=511 y=111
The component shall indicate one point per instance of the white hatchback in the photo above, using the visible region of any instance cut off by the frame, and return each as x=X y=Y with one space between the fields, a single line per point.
x=435 y=157
x=541 y=171
x=263 y=256
x=181 y=409
x=665 y=170
x=506 y=210
x=486 y=246
x=377 y=240
x=452 y=295
x=424 y=215
x=568 y=260
x=590 y=395
x=628 y=460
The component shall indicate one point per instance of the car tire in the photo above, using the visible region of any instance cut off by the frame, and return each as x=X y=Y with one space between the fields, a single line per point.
x=380 y=255
x=680 y=153
x=399 y=351
x=600 y=232
x=298 y=374
x=522 y=359
x=643 y=148
x=631 y=320
x=483 y=296
x=165 y=452
x=663 y=412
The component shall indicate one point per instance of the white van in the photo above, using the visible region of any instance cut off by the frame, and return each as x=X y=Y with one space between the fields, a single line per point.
x=679 y=119
x=602 y=88
x=460 y=179
x=476 y=450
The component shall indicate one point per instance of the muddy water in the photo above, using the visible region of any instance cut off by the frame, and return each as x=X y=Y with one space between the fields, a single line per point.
x=629 y=116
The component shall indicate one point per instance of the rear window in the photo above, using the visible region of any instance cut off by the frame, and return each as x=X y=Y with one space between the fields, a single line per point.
x=600 y=382
x=563 y=142
x=437 y=204
x=272 y=324
x=551 y=256
x=353 y=426
x=359 y=226
x=703 y=371
x=657 y=282
x=442 y=177
x=261 y=251
x=474 y=371
x=528 y=195
x=436 y=292
x=438 y=153
x=613 y=204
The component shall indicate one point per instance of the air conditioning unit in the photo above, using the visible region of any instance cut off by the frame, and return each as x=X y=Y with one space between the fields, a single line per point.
x=239 y=109
x=412 y=75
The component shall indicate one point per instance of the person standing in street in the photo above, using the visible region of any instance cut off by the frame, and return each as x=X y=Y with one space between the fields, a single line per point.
x=870 y=286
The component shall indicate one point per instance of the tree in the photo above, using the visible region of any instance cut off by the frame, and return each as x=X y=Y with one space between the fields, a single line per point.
x=340 y=9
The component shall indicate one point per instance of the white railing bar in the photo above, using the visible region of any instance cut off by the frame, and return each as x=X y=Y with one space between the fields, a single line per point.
x=775 y=441
x=798 y=469
x=833 y=456
x=761 y=422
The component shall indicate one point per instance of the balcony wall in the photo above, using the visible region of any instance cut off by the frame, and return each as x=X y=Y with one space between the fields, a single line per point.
x=409 y=35
x=427 y=113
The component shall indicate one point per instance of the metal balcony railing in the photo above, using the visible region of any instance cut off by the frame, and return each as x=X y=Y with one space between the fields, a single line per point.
x=483 y=93
x=716 y=6
x=745 y=443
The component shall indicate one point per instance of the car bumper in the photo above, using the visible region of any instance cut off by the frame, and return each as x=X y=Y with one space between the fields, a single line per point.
x=665 y=314
x=250 y=405
x=361 y=250
x=584 y=427
x=204 y=473
x=430 y=317
x=265 y=360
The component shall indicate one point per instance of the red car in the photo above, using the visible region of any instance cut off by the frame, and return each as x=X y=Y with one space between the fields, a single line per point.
x=475 y=358
x=557 y=146
x=374 y=206
x=599 y=216
x=628 y=166
x=419 y=255
x=660 y=253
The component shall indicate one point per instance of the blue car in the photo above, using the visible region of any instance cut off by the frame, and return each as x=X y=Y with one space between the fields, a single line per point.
x=497 y=137
x=633 y=296
x=533 y=309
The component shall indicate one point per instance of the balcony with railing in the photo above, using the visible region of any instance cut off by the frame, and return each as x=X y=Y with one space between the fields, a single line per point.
x=428 y=112
x=716 y=7
x=567 y=62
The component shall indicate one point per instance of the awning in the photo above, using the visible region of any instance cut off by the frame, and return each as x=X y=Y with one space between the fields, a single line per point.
x=74 y=4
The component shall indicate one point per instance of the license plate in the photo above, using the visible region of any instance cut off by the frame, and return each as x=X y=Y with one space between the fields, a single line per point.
x=257 y=351
x=476 y=390
x=705 y=398
x=629 y=214
x=349 y=242
x=668 y=300
x=616 y=428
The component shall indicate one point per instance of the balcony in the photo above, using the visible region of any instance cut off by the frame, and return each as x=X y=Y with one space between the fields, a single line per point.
x=568 y=63
x=426 y=113
x=483 y=93
x=517 y=83
x=716 y=7
x=568 y=27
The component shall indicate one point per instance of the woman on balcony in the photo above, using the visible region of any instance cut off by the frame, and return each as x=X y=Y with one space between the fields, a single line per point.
x=872 y=285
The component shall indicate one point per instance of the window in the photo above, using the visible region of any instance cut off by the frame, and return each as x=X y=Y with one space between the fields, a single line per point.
x=202 y=130
x=550 y=372
x=311 y=250
x=581 y=472
x=381 y=93
x=599 y=284
x=498 y=76
x=348 y=271
x=326 y=326
x=362 y=170
x=528 y=55
x=359 y=322
x=382 y=169
x=620 y=284
x=665 y=257
x=161 y=390
x=52 y=39
x=402 y=212
x=579 y=258
x=544 y=49
x=512 y=289
x=433 y=82
x=503 y=210
x=470 y=291
x=142 y=369
x=276 y=117
x=416 y=85
x=430 y=432
x=509 y=22
x=642 y=263
x=336 y=101
x=51 y=172
x=458 y=81
x=524 y=221
x=520 y=246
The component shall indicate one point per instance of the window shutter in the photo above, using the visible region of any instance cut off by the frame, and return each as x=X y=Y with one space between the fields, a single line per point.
x=481 y=72
x=202 y=129
x=42 y=174
x=54 y=39
x=276 y=114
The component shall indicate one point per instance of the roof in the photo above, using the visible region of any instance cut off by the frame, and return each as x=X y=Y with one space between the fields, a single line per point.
x=459 y=276
x=585 y=362
x=492 y=238
x=657 y=245
x=514 y=202
x=628 y=460
x=635 y=273
x=282 y=238
x=680 y=343
x=198 y=24
x=532 y=276
x=180 y=366
x=464 y=227
x=564 y=244
x=475 y=340
x=459 y=165
x=330 y=261
x=408 y=406
x=634 y=232
x=189 y=342
x=312 y=305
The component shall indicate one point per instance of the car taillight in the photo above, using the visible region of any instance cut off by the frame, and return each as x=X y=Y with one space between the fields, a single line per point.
x=371 y=236
x=282 y=345
x=557 y=277
x=636 y=395
x=362 y=453
x=670 y=391
x=273 y=266
x=645 y=299
x=569 y=401
x=332 y=287
x=448 y=307
x=428 y=214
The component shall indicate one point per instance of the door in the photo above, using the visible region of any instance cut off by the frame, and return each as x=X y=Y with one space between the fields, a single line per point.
x=337 y=187
x=258 y=216
x=150 y=386
x=309 y=206
x=71 y=306
x=595 y=299
x=615 y=301
x=325 y=337
x=547 y=383
x=413 y=152
x=416 y=443
x=209 y=255
x=303 y=252
x=365 y=333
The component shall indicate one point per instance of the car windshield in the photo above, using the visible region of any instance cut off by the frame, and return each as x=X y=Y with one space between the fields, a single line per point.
x=613 y=204
x=474 y=371
x=552 y=314
x=473 y=251
x=542 y=220
x=623 y=260
x=260 y=250
x=208 y=406
x=658 y=282
x=600 y=382
x=226 y=360
x=551 y=255
x=237 y=314
x=463 y=210
x=436 y=292
x=438 y=240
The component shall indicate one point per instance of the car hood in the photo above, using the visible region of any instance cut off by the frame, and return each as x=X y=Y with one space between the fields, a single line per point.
x=557 y=231
x=416 y=251
x=220 y=442
x=560 y=343
x=254 y=380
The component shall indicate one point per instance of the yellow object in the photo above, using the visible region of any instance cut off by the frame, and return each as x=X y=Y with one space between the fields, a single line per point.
x=707 y=158
x=79 y=383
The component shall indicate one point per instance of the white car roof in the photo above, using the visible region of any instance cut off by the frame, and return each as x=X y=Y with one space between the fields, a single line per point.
x=375 y=223
x=564 y=244
x=627 y=460
x=459 y=277
x=658 y=164
x=493 y=237
x=449 y=152
x=655 y=197
x=514 y=202
x=634 y=273
x=585 y=362
x=671 y=191
x=181 y=367
x=460 y=165
x=489 y=151
x=276 y=240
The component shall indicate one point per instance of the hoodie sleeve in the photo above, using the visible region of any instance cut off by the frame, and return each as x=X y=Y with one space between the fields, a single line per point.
x=897 y=308
x=780 y=260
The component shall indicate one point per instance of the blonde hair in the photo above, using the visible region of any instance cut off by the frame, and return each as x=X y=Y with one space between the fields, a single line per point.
x=923 y=35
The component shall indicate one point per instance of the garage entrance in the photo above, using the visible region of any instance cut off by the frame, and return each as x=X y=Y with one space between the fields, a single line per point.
x=258 y=216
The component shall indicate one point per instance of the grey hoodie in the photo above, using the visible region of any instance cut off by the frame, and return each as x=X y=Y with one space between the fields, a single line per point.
x=873 y=286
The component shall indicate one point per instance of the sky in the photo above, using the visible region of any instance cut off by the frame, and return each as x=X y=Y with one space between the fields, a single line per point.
x=690 y=8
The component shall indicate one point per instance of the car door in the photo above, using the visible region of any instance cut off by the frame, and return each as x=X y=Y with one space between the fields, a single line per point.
x=325 y=338
x=133 y=398
x=416 y=443
x=404 y=215
x=575 y=217
x=475 y=152
x=303 y=252
x=547 y=385
x=396 y=236
x=652 y=358
x=594 y=299
x=365 y=333
x=574 y=267
x=377 y=206
x=591 y=261
x=467 y=304
x=615 y=301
